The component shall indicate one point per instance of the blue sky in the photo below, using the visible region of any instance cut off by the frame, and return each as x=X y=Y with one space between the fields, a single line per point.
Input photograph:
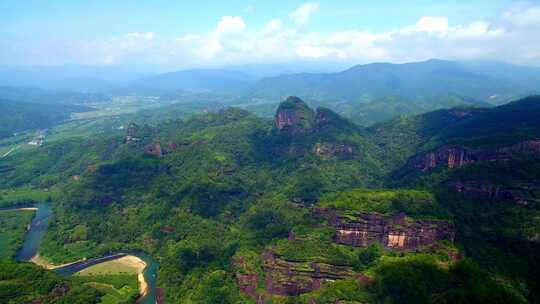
x=202 y=33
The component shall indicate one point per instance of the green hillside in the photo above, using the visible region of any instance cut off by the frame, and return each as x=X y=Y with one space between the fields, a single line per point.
x=21 y=116
x=236 y=207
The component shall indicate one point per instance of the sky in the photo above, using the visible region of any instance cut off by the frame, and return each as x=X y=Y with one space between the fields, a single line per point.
x=187 y=34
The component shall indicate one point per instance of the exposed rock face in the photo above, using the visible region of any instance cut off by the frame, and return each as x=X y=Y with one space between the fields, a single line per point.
x=248 y=284
x=326 y=150
x=247 y=280
x=526 y=147
x=131 y=133
x=484 y=190
x=289 y=278
x=171 y=147
x=294 y=117
x=450 y=156
x=456 y=156
x=286 y=118
x=322 y=118
x=153 y=149
x=394 y=232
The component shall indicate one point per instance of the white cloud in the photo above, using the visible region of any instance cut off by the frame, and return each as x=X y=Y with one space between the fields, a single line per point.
x=230 y=24
x=301 y=15
x=231 y=41
x=523 y=14
x=431 y=25
x=145 y=36
x=272 y=26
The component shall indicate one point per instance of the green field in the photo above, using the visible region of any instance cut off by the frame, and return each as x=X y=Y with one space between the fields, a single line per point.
x=119 y=288
x=12 y=229
x=24 y=195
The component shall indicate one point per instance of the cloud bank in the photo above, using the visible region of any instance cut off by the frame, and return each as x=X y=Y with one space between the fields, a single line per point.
x=512 y=37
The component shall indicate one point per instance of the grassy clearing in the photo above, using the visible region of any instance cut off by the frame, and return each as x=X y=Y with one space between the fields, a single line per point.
x=119 y=288
x=17 y=196
x=12 y=229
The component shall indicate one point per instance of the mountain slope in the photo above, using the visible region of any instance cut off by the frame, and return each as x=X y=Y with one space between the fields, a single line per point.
x=411 y=80
x=240 y=209
x=483 y=164
x=21 y=116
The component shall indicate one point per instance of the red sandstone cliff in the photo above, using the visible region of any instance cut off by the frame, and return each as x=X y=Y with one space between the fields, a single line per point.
x=457 y=156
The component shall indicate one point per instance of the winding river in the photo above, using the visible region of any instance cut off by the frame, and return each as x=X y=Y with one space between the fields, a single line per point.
x=35 y=234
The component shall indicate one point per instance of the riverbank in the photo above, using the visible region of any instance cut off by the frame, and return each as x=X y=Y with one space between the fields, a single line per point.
x=38 y=260
x=139 y=264
x=128 y=264
x=19 y=209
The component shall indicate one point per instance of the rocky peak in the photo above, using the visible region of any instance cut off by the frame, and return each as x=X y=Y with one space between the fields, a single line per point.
x=293 y=116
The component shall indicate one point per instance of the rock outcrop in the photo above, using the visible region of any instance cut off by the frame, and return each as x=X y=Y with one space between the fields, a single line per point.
x=450 y=156
x=321 y=132
x=525 y=147
x=294 y=117
x=394 y=232
x=131 y=134
x=524 y=194
x=326 y=150
x=457 y=156
x=153 y=149
x=288 y=278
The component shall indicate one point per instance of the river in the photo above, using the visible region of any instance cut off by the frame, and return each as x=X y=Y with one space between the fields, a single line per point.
x=37 y=230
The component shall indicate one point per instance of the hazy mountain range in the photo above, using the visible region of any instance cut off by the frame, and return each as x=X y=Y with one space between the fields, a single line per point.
x=482 y=80
x=366 y=94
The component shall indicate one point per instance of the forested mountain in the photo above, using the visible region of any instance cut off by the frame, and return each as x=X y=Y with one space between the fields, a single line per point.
x=20 y=116
x=40 y=96
x=412 y=81
x=307 y=207
x=373 y=93
x=485 y=163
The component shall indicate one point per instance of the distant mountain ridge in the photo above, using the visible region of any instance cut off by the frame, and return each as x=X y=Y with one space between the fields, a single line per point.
x=40 y=96
x=365 y=94
x=363 y=83
x=19 y=116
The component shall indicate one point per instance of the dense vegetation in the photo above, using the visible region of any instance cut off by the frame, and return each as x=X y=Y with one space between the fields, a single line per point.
x=228 y=186
x=25 y=282
x=21 y=116
x=12 y=228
